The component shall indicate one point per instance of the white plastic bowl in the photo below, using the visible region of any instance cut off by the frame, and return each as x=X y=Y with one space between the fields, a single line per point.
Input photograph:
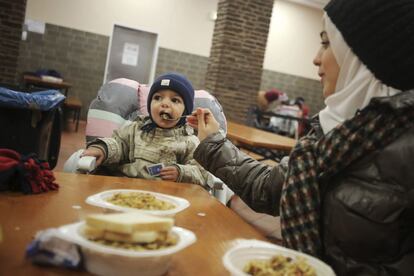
x=104 y=260
x=238 y=256
x=100 y=201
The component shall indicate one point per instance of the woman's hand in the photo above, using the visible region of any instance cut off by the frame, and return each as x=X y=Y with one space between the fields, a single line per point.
x=203 y=120
x=95 y=152
x=169 y=173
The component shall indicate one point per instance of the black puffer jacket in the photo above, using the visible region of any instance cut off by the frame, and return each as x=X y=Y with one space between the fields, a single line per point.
x=367 y=210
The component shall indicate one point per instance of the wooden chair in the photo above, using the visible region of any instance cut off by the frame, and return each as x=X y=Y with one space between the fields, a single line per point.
x=73 y=104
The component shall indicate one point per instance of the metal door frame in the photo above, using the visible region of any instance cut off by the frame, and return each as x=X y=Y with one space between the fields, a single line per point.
x=154 y=58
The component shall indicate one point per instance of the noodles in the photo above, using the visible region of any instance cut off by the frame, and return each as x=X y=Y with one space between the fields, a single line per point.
x=138 y=200
x=279 y=265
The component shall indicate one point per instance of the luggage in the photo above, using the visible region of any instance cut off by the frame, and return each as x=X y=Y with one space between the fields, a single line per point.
x=31 y=122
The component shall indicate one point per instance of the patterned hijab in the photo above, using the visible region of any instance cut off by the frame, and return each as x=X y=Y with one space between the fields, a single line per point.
x=358 y=120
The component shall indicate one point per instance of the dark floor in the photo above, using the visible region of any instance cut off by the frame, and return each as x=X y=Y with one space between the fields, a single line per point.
x=71 y=141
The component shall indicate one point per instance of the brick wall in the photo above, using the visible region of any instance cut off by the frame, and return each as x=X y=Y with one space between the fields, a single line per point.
x=193 y=66
x=235 y=65
x=11 y=25
x=79 y=56
x=294 y=86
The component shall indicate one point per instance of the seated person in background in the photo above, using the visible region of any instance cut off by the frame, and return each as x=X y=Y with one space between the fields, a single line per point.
x=303 y=125
x=277 y=102
x=269 y=100
x=299 y=101
x=162 y=137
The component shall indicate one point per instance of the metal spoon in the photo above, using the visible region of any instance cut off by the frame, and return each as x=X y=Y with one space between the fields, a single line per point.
x=172 y=119
x=165 y=117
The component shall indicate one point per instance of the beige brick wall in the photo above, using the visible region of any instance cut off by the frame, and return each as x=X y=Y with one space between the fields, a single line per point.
x=235 y=65
x=80 y=57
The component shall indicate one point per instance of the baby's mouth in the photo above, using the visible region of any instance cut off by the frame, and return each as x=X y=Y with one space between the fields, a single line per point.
x=165 y=116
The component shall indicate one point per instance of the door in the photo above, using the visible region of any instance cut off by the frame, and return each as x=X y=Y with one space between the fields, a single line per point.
x=132 y=54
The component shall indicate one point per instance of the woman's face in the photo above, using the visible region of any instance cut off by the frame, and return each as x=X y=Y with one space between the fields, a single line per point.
x=328 y=67
x=166 y=108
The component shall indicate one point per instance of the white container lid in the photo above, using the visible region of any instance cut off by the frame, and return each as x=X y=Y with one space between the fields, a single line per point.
x=100 y=200
x=238 y=256
x=105 y=260
x=72 y=233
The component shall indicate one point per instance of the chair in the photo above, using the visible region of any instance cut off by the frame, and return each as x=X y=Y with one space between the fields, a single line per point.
x=73 y=104
x=286 y=120
x=121 y=100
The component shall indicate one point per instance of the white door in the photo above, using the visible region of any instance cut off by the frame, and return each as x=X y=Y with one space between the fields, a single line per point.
x=132 y=54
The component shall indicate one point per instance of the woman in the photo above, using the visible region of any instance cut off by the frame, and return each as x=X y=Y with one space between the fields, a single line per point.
x=347 y=191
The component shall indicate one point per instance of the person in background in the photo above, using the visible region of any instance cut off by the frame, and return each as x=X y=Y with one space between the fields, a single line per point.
x=304 y=123
x=346 y=193
x=271 y=99
x=158 y=146
x=276 y=101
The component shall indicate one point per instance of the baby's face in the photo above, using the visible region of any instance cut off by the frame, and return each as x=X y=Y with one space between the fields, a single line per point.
x=167 y=107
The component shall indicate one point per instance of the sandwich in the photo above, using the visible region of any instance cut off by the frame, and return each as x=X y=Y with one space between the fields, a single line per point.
x=127 y=230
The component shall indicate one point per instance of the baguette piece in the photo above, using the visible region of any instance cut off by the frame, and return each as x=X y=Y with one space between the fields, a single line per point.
x=129 y=223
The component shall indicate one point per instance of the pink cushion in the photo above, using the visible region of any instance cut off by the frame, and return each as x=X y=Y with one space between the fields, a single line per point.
x=119 y=98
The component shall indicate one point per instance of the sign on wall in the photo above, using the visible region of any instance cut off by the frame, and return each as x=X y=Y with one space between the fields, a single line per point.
x=132 y=54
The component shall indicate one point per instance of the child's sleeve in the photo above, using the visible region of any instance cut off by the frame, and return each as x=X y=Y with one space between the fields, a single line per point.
x=189 y=169
x=118 y=146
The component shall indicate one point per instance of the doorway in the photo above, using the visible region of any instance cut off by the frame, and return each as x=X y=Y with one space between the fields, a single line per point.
x=132 y=54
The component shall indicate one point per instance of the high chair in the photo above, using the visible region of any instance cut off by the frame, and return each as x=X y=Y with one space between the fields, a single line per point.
x=119 y=102
x=122 y=100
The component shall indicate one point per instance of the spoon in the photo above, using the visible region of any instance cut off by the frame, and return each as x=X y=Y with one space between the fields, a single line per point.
x=165 y=117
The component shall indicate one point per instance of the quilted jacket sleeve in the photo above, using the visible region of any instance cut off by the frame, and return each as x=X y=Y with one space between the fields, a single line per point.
x=190 y=170
x=258 y=184
x=118 y=146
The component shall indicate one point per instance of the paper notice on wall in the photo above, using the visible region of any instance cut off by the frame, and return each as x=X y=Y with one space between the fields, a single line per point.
x=130 y=54
x=35 y=26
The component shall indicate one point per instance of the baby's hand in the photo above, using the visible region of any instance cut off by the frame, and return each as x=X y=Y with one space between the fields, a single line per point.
x=95 y=152
x=169 y=173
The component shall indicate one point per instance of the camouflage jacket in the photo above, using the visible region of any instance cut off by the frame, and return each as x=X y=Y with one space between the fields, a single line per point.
x=130 y=150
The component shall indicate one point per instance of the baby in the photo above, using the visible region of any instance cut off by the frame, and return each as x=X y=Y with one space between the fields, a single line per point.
x=158 y=146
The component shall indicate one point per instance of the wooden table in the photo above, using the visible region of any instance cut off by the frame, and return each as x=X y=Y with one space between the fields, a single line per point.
x=254 y=138
x=21 y=216
x=39 y=82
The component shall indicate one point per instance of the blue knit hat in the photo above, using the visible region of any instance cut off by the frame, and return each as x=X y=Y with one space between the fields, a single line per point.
x=177 y=83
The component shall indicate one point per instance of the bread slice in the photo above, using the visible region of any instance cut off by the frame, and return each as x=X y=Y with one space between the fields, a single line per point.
x=129 y=223
x=136 y=237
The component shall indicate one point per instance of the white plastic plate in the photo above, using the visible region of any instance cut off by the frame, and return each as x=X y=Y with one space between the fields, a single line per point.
x=100 y=201
x=72 y=233
x=238 y=256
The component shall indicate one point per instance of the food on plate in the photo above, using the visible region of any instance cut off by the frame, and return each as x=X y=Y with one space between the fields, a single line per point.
x=133 y=231
x=145 y=201
x=279 y=265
